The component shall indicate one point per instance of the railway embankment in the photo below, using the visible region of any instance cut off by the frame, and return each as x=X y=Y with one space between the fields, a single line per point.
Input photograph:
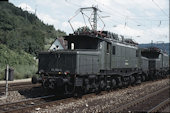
x=109 y=100
x=105 y=101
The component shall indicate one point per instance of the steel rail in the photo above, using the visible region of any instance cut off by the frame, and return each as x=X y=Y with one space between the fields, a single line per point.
x=160 y=106
x=14 y=106
x=40 y=105
x=18 y=87
x=133 y=103
x=16 y=83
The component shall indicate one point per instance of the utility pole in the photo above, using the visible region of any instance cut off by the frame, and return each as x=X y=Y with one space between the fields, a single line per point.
x=94 y=18
x=35 y=10
x=7 y=75
x=26 y=13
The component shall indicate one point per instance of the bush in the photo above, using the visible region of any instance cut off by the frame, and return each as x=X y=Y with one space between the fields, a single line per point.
x=23 y=63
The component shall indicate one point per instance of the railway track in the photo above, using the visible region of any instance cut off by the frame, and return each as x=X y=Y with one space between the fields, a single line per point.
x=31 y=104
x=23 y=105
x=160 y=107
x=18 y=86
x=41 y=102
x=153 y=102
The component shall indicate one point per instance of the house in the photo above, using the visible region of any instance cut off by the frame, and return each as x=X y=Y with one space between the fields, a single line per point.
x=58 y=44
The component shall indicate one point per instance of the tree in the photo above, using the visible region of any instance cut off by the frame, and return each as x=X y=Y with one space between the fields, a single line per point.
x=82 y=29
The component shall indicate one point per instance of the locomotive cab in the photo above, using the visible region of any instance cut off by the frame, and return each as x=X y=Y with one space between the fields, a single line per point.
x=158 y=62
x=82 y=42
x=80 y=59
x=92 y=43
x=95 y=61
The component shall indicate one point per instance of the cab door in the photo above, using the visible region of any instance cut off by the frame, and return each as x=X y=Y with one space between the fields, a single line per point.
x=108 y=56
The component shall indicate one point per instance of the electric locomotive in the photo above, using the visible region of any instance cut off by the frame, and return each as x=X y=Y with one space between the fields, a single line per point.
x=158 y=62
x=96 y=61
x=90 y=64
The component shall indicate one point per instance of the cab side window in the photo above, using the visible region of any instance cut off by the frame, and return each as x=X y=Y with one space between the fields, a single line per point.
x=137 y=53
x=108 y=48
x=113 y=50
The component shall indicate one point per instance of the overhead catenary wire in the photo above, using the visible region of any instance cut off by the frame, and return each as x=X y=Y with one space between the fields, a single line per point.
x=160 y=8
x=122 y=23
x=132 y=20
x=79 y=6
x=144 y=18
x=129 y=17
x=119 y=14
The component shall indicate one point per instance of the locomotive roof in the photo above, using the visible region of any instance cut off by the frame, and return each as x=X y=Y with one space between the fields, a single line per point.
x=109 y=40
x=151 y=52
x=73 y=36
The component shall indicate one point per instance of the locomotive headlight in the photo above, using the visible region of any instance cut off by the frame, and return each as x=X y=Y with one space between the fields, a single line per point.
x=41 y=71
x=66 y=73
x=59 y=72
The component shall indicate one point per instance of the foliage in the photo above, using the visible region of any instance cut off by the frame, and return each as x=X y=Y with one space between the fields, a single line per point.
x=22 y=37
x=163 y=46
x=18 y=57
x=82 y=29
x=23 y=30
x=22 y=62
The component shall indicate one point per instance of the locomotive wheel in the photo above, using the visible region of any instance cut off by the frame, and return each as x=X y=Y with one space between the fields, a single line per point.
x=78 y=92
x=125 y=83
x=102 y=85
x=108 y=86
x=97 y=88
x=69 y=89
x=119 y=82
x=143 y=78
x=138 y=79
x=113 y=83
x=132 y=80
x=46 y=89
x=146 y=77
x=86 y=88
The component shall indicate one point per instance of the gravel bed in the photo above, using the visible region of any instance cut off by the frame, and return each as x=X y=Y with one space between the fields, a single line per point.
x=106 y=101
x=14 y=96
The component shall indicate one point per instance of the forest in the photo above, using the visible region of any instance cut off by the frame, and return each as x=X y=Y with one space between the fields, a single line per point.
x=22 y=36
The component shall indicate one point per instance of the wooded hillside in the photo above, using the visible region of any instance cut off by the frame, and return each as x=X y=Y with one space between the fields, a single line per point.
x=22 y=36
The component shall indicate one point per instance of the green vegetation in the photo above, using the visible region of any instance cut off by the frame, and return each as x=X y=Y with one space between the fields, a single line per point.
x=22 y=30
x=83 y=29
x=23 y=63
x=163 y=46
x=22 y=37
